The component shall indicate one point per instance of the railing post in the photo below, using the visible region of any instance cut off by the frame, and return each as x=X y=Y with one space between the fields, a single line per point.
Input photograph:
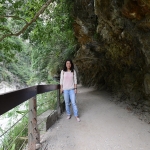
x=33 y=133
x=58 y=102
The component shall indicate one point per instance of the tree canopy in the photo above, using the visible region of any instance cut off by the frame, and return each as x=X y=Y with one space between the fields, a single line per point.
x=45 y=25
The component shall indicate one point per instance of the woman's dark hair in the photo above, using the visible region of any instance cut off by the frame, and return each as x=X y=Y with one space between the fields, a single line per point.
x=72 y=65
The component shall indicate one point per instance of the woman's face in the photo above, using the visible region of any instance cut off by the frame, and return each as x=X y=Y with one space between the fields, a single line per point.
x=68 y=64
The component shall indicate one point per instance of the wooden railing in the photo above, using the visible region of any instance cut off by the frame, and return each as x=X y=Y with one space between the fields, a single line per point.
x=12 y=99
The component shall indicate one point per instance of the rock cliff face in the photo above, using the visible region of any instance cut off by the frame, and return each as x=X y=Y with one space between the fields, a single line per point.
x=114 y=47
x=10 y=82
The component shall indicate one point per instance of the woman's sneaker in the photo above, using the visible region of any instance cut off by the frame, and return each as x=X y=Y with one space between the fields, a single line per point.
x=78 y=119
x=68 y=117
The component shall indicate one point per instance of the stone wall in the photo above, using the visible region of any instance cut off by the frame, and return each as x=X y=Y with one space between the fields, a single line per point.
x=114 y=49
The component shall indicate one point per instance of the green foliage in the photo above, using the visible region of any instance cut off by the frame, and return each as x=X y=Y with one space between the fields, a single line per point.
x=45 y=102
x=22 y=68
x=13 y=139
x=9 y=48
x=17 y=66
x=13 y=147
x=53 y=40
x=50 y=41
x=14 y=16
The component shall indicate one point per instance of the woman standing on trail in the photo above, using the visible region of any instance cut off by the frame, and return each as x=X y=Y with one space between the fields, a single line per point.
x=68 y=86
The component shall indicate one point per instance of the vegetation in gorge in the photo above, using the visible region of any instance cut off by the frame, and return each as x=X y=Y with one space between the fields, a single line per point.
x=35 y=38
x=19 y=70
x=48 y=29
x=17 y=137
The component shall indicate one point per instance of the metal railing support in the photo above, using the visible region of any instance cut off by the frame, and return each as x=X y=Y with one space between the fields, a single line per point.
x=58 y=102
x=33 y=133
x=12 y=99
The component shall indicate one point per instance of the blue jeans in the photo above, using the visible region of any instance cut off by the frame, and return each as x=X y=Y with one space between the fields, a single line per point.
x=69 y=95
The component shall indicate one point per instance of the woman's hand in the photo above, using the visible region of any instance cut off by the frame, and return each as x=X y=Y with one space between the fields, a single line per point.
x=61 y=90
x=75 y=90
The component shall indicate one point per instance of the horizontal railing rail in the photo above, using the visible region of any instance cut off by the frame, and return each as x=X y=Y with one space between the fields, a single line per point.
x=12 y=99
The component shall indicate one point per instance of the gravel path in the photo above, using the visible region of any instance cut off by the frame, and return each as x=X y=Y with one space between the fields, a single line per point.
x=104 y=126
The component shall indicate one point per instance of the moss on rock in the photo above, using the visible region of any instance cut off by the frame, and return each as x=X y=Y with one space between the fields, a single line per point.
x=117 y=56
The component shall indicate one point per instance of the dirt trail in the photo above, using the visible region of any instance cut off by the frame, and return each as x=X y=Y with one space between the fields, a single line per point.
x=104 y=126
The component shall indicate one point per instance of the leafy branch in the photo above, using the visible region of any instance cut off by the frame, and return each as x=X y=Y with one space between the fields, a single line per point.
x=27 y=24
x=5 y=30
x=15 y=17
